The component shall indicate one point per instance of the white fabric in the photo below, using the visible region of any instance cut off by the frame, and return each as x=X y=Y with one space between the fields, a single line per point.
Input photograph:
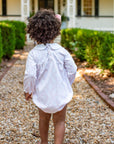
x=50 y=72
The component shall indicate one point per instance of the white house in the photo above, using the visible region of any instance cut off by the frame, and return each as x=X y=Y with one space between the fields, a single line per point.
x=90 y=14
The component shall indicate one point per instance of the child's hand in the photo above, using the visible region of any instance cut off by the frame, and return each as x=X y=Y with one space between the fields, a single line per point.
x=27 y=96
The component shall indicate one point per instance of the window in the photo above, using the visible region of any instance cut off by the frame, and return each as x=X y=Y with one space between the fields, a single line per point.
x=64 y=2
x=48 y=4
x=32 y=6
x=51 y=4
x=87 y=7
x=4 y=7
x=59 y=6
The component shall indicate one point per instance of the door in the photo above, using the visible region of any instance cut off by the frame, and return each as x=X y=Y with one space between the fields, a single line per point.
x=47 y=4
x=4 y=12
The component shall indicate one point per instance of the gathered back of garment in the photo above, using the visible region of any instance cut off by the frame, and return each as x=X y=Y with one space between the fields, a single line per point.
x=50 y=71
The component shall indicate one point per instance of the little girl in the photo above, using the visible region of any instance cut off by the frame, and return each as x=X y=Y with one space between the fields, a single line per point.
x=50 y=72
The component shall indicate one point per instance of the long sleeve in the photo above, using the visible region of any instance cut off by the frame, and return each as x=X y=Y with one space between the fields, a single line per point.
x=70 y=67
x=30 y=75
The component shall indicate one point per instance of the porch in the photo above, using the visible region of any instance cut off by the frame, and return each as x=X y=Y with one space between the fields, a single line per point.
x=22 y=9
x=89 y=14
x=95 y=23
x=95 y=14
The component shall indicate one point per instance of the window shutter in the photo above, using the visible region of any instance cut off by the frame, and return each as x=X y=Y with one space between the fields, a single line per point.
x=96 y=7
x=4 y=8
x=79 y=7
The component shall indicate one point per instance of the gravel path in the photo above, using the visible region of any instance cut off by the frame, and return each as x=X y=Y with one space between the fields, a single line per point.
x=88 y=121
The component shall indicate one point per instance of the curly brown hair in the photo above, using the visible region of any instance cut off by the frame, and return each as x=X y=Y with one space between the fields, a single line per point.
x=44 y=27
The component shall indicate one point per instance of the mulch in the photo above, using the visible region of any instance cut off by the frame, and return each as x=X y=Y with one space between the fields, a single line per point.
x=102 y=81
x=6 y=64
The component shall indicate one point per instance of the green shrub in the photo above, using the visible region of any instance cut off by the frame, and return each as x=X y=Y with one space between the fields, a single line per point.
x=8 y=39
x=19 y=33
x=106 y=52
x=73 y=40
x=1 y=52
x=67 y=36
x=93 y=46
x=80 y=38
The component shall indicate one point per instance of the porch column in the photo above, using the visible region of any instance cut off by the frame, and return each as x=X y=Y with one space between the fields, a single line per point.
x=56 y=6
x=71 y=12
x=25 y=9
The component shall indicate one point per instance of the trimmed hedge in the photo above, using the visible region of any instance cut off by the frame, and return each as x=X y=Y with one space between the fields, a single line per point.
x=96 y=47
x=19 y=32
x=8 y=39
x=1 y=52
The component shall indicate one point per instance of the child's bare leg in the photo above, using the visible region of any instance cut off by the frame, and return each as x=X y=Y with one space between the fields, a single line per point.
x=44 y=119
x=59 y=125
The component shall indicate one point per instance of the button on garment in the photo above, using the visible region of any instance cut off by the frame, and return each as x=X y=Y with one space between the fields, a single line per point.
x=50 y=72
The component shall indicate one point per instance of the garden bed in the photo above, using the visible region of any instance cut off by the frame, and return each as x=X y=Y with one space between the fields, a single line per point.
x=102 y=81
x=7 y=64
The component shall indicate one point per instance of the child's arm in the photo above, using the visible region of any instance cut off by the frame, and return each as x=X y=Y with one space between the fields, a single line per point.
x=70 y=67
x=30 y=76
x=27 y=96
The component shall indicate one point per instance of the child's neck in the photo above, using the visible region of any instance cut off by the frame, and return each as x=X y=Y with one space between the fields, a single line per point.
x=49 y=42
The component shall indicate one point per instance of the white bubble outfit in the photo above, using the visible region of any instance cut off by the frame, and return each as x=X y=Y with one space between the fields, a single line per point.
x=50 y=72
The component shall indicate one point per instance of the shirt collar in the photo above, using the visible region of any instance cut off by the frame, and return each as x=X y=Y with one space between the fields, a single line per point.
x=53 y=46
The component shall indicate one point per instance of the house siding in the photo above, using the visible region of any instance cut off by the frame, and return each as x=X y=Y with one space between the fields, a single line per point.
x=105 y=20
x=36 y=5
x=30 y=6
x=105 y=24
x=106 y=7
x=0 y=7
x=13 y=7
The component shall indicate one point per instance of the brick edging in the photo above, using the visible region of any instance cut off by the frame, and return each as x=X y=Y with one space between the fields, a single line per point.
x=98 y=91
